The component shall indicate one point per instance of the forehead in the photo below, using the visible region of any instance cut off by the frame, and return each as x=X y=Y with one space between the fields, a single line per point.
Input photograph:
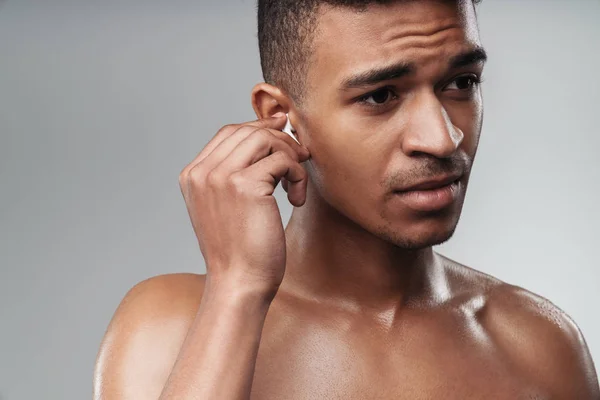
x=418 y=31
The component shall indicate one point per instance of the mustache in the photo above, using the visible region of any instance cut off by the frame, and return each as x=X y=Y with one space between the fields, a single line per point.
x=428 y=168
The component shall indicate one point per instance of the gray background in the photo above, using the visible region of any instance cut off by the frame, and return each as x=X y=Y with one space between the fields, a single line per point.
x=103 y=102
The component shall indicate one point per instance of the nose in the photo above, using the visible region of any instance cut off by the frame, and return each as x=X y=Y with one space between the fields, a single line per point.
x=429 y=129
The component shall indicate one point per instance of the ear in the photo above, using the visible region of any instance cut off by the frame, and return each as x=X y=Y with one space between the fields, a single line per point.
x=268 y=100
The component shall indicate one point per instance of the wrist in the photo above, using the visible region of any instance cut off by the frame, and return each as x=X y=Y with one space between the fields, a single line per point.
x=239 y=291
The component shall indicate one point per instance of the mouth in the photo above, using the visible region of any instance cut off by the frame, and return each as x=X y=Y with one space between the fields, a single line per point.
x=435 y=183
x=432 y=195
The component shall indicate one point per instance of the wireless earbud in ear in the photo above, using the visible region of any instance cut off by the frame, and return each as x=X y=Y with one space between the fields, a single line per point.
x=289 y=129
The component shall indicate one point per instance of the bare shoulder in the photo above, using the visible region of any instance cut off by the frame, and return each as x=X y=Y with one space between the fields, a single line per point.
x=543 y=340
x=144 y=336
x=536 y=336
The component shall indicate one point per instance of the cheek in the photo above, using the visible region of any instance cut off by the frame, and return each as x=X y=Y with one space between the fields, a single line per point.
x=348 y=164
x=345 y=174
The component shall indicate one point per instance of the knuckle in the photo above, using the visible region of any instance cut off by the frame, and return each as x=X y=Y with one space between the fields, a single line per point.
x=189 y=176
x=228 y=128
x=283 y=156
x=261 y=134
x=245 y=131
x=254 y=135
x=197 y=175
x=294 y=156
x=184 y=177
x=260 y=139
x=215 y=179
x=303 y=173
x=238 y=184
x=296 y=172
x=265 y=132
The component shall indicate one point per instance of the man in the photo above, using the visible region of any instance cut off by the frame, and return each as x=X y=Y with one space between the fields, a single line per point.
x=349 y=301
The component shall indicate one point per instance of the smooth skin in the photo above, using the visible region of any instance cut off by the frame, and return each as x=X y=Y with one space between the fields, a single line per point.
x=349 y=300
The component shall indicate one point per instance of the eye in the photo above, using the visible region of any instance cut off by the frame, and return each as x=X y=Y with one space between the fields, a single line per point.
x=464 y=83
x=378 y=97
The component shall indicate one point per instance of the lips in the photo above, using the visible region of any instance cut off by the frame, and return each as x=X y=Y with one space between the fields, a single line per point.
x=431 y=184
x=430 y=196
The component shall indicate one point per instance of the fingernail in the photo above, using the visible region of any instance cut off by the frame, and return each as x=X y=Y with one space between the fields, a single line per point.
x=279 y=115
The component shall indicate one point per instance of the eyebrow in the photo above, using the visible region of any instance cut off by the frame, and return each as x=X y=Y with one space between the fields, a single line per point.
x=377 y=75
x=475 y=56
x=402 y=69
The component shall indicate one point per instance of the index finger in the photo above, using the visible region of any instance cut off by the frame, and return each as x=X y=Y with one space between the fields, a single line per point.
x=277 y=120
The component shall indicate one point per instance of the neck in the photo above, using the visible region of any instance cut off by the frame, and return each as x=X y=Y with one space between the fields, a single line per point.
x=334 y=261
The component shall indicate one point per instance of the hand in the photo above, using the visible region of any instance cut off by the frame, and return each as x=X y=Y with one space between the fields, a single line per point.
x=228 y=190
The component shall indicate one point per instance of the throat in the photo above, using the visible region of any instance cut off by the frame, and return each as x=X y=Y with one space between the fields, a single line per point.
x=349 y=268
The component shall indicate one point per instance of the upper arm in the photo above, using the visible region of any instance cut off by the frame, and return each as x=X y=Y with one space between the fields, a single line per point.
x=543 y=342
x=143 y=339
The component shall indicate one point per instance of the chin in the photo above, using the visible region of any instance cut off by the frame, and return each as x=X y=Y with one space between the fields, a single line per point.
x=419 y=234
x=416 y=242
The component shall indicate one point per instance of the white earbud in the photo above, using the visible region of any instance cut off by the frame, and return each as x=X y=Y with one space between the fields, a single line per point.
x=289 y=129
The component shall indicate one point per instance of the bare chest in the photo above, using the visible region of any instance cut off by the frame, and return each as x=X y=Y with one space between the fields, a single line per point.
x=332 y=378
x=313 y=364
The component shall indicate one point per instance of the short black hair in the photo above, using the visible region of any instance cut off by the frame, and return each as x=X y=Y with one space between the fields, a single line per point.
x=285 y=29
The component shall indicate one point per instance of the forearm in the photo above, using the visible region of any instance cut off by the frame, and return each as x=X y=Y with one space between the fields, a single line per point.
x=218 y=357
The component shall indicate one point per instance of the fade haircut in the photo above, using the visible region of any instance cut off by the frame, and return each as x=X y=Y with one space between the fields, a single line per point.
x=285 y=36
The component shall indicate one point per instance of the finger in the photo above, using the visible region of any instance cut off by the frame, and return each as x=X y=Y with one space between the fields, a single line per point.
x=269 y=170
x=284 y=184
x=228 y=145
x=262 y=144
x=258 y=145
x=274 y=122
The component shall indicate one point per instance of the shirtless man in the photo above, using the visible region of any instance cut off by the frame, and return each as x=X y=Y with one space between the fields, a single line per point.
x=385 y=99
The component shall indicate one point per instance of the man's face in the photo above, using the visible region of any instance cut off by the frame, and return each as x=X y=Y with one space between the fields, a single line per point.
x=392 y=100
